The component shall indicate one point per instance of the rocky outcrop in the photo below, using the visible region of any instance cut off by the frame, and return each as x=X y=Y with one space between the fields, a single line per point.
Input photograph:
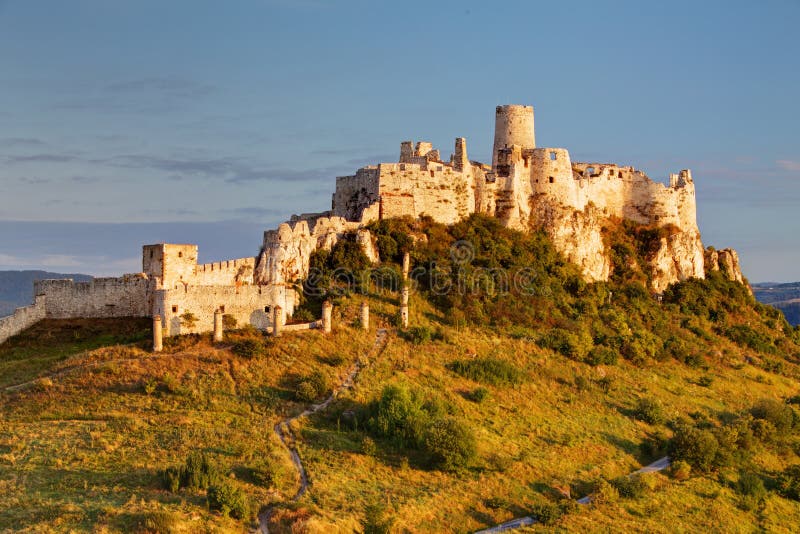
x=679 y=257
x=726 y=261
x=286 y=253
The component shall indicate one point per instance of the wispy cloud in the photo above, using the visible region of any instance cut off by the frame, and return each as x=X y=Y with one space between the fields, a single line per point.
x=788 y=165
x=41 y=158
x=34 y=180
x=170 y=87
x=22 y=142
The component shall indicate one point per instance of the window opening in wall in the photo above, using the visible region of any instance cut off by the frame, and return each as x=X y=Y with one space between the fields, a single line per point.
x=267 y=309
x=552 y=156
x=174 y=309
x=431 y=174
x=552 y=180
x=180 y=254
x=526 y=162
x=590 y=170
x=151 y=253
x=222 y=308
x=619 y=174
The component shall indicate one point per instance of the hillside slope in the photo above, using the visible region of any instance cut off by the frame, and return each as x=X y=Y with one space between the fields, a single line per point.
x=514 y=392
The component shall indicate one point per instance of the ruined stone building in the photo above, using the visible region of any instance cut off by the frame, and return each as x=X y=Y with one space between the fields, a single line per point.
x=525 y=187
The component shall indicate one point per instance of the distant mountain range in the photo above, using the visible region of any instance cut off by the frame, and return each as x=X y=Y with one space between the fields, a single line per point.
x=785 y=297
x=16 y=287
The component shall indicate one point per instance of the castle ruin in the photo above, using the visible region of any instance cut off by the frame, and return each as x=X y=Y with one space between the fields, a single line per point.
x=525 y=187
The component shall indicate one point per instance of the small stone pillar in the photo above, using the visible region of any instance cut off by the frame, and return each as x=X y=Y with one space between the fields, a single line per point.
x=365 y=315
x=158 y=344
x=404 y=306
x=277 y=320
x=218 y=326
x=327 y=313
x=406 y=265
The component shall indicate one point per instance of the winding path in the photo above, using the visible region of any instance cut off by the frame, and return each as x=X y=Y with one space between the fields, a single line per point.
x=658 y=465
x=284 y=430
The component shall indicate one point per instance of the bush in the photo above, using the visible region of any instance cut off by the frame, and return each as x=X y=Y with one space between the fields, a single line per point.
x=488 y=370
x=157 y=522
x=228 y=499
x=650 y=411
x=228 y=321
x=547 y=513
x=680 y=470
x=450 y=443
x=249 y=348
x=312 y=387
x=705 y=381
x=779 y=414
x=696 y=447
x=751 y=488
x=570 y=344
x=604 y=492
x=189 y=320
x=368 y=446
x=198 y=472
x=630 y=487
x=418 y=334
x=399 y=415
x=601 y=355
x=479 y=395
x=375 y=519
x=789 y=482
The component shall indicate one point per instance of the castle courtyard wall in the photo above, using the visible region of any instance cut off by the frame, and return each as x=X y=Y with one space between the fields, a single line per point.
x=22 y=318
x=126 y=296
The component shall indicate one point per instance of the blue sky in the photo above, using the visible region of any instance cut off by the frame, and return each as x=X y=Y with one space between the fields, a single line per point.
x=117 y=118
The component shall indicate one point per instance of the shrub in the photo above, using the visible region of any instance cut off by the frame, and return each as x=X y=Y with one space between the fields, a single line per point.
x=547 y=513
x=570 y=344
x=604 y=492
x=650 y=411
x=399 y=414
x=705 y=381
x=479 y=395
x=375 y=519
x=789 y=482
x=189 y=320
x=368 y=446
x=305 y=392
x=228 y=499
x=303 y=315
x=418 y=334
x=751 y=488
x=779 y=414
x=332 y=360
x=630 y=487
x=198 y=472
x=696 y=447
x=157 y=522
x=680 y=470
x=601 y=355
x=249 y=348
x=228 y=321
x=451 y=443
x=488 y=370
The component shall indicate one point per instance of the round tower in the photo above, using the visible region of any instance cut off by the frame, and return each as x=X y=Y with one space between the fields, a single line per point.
x=513 y=125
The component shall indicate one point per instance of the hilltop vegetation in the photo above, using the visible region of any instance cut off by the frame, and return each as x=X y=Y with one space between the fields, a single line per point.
x=518 y=388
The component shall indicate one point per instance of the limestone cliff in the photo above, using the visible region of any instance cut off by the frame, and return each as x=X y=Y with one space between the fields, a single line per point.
x=726 y=261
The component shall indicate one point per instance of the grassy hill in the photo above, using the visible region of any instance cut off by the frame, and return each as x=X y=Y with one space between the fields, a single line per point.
x=506 y=396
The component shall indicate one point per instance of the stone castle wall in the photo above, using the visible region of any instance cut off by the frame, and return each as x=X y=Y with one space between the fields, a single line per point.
x=247 y=304
x=22 y=318
x=126 y=296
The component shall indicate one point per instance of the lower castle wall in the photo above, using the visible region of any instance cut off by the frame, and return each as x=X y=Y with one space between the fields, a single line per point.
x=126 y=296
x=248 y=304
x=227 y=273
x=22 y=318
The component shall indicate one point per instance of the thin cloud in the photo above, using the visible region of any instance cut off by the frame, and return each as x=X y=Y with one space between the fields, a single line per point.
x=41 y=158
x=171 y=87
x=788 y=165
x=22 y=142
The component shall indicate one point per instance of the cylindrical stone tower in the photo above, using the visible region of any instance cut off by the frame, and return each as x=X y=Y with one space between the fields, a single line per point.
x=513 y=125
x=277 y=320
x=365 y=315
